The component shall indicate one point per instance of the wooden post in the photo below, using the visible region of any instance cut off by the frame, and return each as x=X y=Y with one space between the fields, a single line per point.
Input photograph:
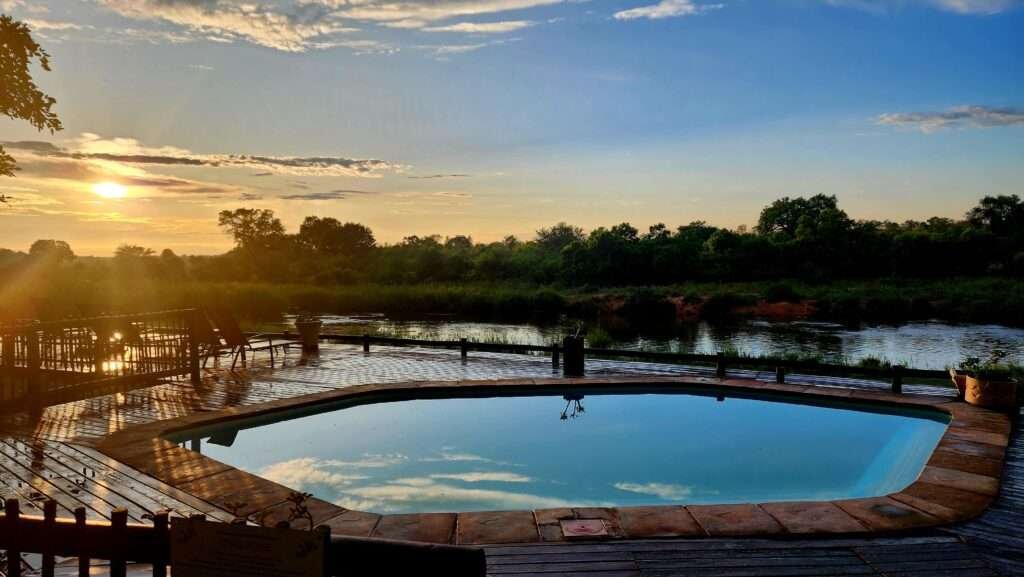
x=574 y=358
x=160 y=525
x=8 y=355
x=83 y=559
x=12 y=510
x=464 y=348
x=193 y=347
x=33 y=363
x=118 y=528
x=554 y=356
x=49 y=518
x=99 y=352
x=897 y=379
x=720 y=365
x=780 y=374
x=366 y=343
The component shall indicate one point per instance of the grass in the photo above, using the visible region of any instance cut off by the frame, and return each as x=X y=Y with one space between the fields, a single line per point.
x=996 y=300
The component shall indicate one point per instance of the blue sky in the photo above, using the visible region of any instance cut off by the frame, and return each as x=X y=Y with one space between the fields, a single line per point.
x=521 y=112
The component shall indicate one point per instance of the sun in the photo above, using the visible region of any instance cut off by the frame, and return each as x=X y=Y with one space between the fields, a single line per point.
x=109 y=190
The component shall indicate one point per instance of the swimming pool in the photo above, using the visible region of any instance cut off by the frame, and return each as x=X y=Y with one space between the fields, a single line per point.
x=582 y=448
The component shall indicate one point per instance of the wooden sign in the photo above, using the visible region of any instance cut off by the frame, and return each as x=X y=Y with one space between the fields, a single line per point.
x=205 y=549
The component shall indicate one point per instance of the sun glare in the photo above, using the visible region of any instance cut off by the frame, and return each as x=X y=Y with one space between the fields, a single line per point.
x=109 y=190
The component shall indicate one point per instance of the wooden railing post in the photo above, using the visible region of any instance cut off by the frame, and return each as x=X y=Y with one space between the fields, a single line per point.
x=118 y=528
x=192 y=326
x=100 y=349
x=780 y=374
x=464 y=348
x=554 y=356
x=33 y=362
x=720 y=365
x=7 y=359
x=12 y=510
x=897 y=379
x=49 y=519
x=366 y=343
x=83 y=559
x=160 y=526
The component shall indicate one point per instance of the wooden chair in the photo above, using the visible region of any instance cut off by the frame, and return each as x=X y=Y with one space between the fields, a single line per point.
x=238 y=343
x=210 y=343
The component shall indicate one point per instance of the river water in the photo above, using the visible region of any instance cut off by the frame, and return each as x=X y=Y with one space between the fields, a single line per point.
x=924 y=345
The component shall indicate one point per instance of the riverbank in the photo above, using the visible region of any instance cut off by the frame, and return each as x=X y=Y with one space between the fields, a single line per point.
x=976 y=300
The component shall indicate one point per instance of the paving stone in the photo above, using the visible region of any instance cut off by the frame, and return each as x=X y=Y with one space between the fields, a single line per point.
x=983 y=450
x=885 y=514
x=497 y=527
x=319 y=509
x=967 y=463
x=734 y=520
x=238 y=492
x=813 y=517
x=664 y=521
x=960 y=480
x=426 y=527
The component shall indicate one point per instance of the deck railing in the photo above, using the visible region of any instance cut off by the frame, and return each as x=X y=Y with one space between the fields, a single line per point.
x=561 y=356
x=44 y=363
x=122 y=543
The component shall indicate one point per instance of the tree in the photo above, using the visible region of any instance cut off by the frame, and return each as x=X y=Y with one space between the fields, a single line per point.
x=1002 y=215
x=784 y=217
x=20 y=98
x=131 y=251
x=51 y=250
x=251 y=227
x=329 y=236
x=559 y=236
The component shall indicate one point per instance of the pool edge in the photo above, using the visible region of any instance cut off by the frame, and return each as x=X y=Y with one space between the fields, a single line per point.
x=959 y=481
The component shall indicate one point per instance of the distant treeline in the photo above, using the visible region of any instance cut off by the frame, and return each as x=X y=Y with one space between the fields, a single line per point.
x=809 y=241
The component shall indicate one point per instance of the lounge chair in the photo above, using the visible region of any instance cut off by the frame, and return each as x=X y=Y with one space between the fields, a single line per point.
x=238 y=343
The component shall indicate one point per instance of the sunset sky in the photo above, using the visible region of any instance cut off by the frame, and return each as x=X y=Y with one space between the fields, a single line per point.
x=495 y=117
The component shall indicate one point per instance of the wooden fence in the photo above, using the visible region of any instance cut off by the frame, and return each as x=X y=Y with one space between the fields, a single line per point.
x=45 y=363
x=122 y=543
x=895 y=374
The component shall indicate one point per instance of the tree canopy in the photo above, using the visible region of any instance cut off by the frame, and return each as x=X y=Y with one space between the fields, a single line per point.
x=20 y=98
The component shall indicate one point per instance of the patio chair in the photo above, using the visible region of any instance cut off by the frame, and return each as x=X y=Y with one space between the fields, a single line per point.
x=210 y=343
x=238 y=343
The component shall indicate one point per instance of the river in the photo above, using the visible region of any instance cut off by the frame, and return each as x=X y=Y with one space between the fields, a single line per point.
x=925 y=345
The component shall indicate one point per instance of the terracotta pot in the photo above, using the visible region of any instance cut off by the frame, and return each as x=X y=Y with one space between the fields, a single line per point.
x=310 y=333
x=960 y=381
x=998 y=395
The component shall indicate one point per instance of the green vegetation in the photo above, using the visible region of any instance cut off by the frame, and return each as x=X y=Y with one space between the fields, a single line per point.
x=804 y=252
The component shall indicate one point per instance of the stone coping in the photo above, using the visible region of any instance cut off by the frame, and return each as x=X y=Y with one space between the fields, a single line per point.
x=958 y=482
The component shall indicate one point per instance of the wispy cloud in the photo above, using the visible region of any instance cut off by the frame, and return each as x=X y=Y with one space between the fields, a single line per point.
x=314 y=196
x=664 y=491
x=958 y=117
x=478 y=477
x=483 y=27
x=667 y=9
x=429 y=176
x=981 y=7
x=90 y=146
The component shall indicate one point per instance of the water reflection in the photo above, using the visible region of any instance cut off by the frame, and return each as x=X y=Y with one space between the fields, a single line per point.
x=930 y=345
x=573 y=407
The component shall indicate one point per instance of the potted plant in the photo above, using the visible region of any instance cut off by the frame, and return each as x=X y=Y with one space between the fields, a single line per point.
x=991 y=384
x=309 y=329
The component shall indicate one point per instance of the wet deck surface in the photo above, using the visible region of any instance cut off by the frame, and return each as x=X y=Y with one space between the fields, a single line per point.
x=52 y=456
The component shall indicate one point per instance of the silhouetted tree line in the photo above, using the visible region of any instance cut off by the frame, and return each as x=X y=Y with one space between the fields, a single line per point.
x=800 y=238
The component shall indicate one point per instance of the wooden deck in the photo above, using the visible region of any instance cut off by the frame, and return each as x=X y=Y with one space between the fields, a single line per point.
x=53 y=456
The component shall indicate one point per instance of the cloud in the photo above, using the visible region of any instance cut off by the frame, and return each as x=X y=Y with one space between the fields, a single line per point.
x=314 y=196
x=90 y=146
x=446 y=456
x=483 y=27
x=477 y=477
x=292 y=29
x=442 y=52
x=403 y=492
x=667 y=492
x=304 y=472
x=428 y=176
x=38 y=24
x=980 y=7
x=413 y=14
x=958 y=117
x=666 y=9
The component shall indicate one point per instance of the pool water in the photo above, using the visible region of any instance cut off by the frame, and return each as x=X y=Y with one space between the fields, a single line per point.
x=609 y=449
